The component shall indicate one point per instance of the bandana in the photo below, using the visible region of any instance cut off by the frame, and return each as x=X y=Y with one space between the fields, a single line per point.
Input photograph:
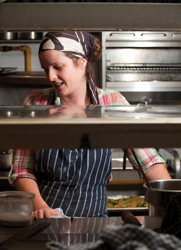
x=77 y=43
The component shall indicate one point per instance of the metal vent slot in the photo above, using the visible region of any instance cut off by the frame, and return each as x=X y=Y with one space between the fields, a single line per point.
x=120 y=35
x=153 y=35
x=177 y=35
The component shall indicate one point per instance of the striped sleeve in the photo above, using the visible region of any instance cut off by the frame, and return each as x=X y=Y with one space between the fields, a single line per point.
x=111 y=97
x=23 y=165
x=146 y=157
x=40 y=97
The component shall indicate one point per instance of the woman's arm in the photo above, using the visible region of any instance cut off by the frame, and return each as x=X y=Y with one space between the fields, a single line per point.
x=41 y=209
x=151 y=161
x=157 y=172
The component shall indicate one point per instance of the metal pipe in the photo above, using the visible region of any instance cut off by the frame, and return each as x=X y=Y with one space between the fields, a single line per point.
x=27 y=53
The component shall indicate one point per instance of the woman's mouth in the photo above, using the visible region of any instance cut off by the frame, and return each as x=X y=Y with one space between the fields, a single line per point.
x=58 y=84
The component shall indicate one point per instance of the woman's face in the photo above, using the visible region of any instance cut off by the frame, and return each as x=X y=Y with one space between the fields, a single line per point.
x=64 y=76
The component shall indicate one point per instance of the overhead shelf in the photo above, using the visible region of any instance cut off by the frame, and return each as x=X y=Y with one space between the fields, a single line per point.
x=89 y=16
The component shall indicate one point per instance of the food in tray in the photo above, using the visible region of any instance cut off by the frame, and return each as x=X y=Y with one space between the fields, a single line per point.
x=127 y=202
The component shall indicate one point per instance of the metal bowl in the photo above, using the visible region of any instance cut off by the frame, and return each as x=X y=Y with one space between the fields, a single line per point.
x=8 y=35
x=30 y=35
x=16 y=208
x=160 y=193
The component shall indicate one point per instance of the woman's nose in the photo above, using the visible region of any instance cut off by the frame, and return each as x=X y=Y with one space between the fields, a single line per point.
x=51 y=75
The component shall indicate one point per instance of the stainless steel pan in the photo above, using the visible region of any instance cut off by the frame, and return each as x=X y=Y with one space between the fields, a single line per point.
x=160 y=194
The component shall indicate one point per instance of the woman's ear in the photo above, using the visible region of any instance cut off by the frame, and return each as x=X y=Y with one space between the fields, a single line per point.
x=82 y=63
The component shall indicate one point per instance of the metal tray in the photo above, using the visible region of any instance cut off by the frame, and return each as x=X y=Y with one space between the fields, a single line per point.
x=136 y=209
x=133 y=209
x=4 y=71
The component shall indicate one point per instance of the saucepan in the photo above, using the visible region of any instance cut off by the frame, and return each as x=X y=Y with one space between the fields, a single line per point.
x=160 y=193
x=16 y=208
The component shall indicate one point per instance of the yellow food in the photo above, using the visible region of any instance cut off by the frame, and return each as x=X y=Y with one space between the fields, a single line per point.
x=130 y=202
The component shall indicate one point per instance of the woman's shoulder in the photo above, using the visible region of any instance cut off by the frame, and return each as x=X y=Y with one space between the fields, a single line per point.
x=40 y=97
x=111 y=97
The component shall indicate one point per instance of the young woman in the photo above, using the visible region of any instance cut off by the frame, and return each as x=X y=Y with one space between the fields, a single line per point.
x=71 y=179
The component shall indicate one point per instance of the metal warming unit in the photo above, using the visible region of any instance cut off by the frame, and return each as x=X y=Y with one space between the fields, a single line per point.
x=143 y=63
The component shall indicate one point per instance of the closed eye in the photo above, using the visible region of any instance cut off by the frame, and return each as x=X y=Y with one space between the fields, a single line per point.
x=58 y=67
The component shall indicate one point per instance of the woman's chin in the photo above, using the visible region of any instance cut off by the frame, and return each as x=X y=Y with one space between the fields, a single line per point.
x=58 y=89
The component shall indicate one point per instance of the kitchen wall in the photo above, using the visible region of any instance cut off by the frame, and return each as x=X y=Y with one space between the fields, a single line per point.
x=16 y=58
x=14 y=94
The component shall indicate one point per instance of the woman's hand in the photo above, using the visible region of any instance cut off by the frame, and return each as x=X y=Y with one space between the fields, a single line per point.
x=41 y=209
x=45 y=213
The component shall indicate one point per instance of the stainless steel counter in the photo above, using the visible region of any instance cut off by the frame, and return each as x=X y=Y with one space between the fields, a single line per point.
x=68 y=232
x=100 y=127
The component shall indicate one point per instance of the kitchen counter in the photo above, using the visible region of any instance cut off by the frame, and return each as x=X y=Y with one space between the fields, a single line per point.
x=67 y=231
x=101 y=127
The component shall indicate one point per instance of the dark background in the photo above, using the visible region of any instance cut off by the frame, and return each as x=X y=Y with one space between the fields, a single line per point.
x=116 y=1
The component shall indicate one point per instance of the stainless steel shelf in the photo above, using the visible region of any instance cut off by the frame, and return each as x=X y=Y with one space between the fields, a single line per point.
x=89 y=16
x=25 y=78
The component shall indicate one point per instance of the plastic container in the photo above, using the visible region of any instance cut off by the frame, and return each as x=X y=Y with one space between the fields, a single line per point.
x=16 y=208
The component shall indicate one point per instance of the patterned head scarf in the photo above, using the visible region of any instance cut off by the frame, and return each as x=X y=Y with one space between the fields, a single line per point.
x=77 y=43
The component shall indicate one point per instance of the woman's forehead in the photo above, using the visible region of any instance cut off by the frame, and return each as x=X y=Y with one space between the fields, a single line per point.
x=52 y=57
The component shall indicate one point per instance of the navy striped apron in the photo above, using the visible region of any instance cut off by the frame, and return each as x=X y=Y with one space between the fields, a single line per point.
x=75 y=180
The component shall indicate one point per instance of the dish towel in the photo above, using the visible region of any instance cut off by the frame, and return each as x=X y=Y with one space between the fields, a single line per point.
x=171 y=223
x=61 y=212
x=124 y=237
